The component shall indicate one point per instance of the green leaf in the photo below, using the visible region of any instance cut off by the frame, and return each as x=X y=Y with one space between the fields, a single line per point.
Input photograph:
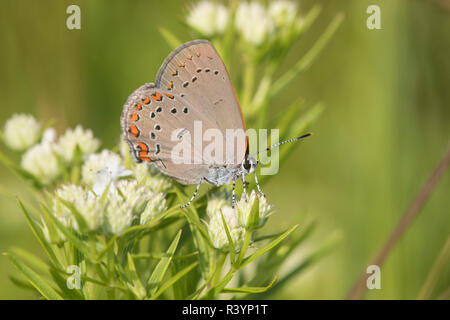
x=252 y=224
x=32 y=260
x=35 y=280
x=136 y=285
x=305 y=62
x=160 y=270
x=157 y=256
x=230 y=239
x=77 y=215
x=53 y=234
x=180 y=274
x=253 y=217
x=39 y=236
x=71 y=237
x=60 y=278
x=307 y=262
x=266 y=248
x=251 y=289
x=170 y=38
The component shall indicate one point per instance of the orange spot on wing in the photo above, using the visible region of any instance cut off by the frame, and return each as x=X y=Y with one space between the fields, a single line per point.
x=138 y=107
x=170 y=85
x=146 y=159
x=146 y=100
x=134 y=117
x=143 y=146
x=182 y=65
x=157 y=96
x=168 y=95
x=134 y=130
x=175 y=72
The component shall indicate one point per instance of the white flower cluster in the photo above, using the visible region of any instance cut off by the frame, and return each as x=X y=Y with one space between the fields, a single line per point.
x=77 y=138
x=208 y=18
x=21 y=132
x=254 y=22
x=125 y=202
x=42 y=150
x=236 y=220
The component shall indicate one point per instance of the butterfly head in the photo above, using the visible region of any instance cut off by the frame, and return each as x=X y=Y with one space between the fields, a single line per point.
x=249 y=165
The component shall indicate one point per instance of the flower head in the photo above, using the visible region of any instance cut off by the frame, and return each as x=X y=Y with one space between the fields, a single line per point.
x=253 y=22
x=21 y=132
x=106 y=160
x=42 y=162
x=49 y=135
x=84 y=202
x=218 y=206
x=244 y=208
x=126 y=200
x=217 y=232
x=78 y=137
x=155 y=206
x=208 y=18
x=283 y=12
x=150 y=177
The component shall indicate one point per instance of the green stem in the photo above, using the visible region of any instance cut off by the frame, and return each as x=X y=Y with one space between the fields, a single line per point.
x=249 y=79
x=305 y=62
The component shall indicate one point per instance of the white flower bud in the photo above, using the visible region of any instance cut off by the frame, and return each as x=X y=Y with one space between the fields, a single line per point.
x=216 y=229
x=253 y=22
x=42 y=162
x=107 y=160
x=150 y=177
x=155 y=206
x=208 y=18
x=84 y=202
x=21 y=132
x=283 y=12
x=72 y=138
x=244 y=208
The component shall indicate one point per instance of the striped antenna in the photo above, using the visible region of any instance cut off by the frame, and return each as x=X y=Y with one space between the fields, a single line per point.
x=281 y=143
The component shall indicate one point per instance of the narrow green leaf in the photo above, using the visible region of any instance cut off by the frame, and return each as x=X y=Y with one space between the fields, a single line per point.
x=230 y=239
x=35 y=280
x=161 y=268
x=71 y=237
x=60 y=278
x=253 y=217
x=436 y=273
x=39 y=236
x=33 y=261
x=251 y=289
x=77 y=215
x=180 y=274
x=305 y=62
x=269 y=246
x=157 y=256
x=136 y=285
x=53 y=234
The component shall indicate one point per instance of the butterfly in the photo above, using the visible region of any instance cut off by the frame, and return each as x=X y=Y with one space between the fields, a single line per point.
x=192 y=88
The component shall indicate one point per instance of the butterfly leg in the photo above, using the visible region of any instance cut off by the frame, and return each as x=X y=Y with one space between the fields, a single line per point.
x=193 y=196
x=244 y=187
x=257 y=185
x=233 y=197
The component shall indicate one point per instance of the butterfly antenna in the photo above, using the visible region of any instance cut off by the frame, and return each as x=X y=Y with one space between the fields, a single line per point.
x=281 y=143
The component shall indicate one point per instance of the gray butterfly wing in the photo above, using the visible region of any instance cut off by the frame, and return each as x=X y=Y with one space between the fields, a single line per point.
x=196 y=72
x=153 y=123
x=192 y=86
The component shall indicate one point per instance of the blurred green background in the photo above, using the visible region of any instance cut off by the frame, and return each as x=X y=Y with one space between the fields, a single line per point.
x=385 y=127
